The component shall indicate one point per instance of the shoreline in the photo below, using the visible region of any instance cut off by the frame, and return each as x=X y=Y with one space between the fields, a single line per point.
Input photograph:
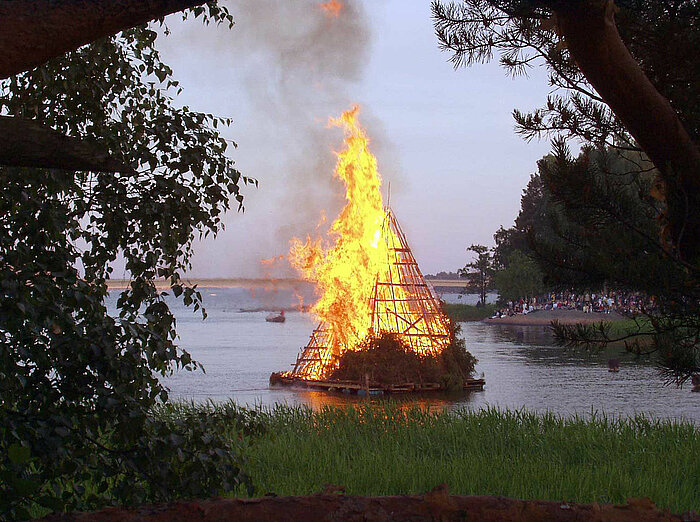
x=257 y=282
x=545 y=318
x=230 y=282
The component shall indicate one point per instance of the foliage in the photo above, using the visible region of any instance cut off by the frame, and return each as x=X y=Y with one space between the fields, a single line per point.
x=479 y=272
x=390 y=448
x=443 y=275
x=534 y=215
x=228 y=418
x=522 y=278
x=658 y=34
x=76 y=384
x=456 y=361
x=599 y=218
x=595 y=227
x=605 y=230
x=576 y=217
x=387 y=360
x=458 y=312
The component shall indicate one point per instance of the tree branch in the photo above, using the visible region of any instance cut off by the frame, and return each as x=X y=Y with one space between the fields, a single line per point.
x=27 y=143
x=593 y=40
x=34 y=31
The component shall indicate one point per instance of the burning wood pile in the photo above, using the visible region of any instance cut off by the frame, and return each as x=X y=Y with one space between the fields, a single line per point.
x=372 y=295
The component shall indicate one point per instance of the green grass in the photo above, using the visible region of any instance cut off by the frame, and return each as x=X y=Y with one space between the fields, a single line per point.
x=622 y=328
x=462 y=312
x=388 y=450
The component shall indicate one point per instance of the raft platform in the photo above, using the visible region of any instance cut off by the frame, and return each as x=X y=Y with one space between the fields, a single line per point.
x=356 y=388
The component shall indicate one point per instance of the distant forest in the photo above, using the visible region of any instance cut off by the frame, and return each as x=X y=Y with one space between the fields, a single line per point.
x=443 y=275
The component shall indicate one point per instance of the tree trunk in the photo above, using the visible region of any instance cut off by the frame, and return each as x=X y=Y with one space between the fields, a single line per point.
x=482 y=289
x=27 y=143
x=590 y=32
x=34 y=31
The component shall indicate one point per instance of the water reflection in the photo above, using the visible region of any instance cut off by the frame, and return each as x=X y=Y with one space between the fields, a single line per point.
x=525 y=369
x=537 y=335
x=434 y=401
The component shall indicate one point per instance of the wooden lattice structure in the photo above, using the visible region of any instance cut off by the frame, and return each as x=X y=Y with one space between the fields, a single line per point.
x=401 y=302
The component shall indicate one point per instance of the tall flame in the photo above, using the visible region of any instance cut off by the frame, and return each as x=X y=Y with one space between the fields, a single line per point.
x=345 y=267
x=366 y=277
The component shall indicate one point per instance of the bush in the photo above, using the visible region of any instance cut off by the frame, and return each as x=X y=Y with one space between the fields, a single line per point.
x=78 y=383
x=462 y=312
x=457 y=362
x=388 y=360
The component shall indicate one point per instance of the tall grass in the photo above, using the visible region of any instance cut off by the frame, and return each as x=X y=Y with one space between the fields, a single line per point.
x=387 y=449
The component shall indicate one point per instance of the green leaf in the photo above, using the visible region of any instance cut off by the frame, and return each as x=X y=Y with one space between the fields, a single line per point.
x=18 y=454
x=25 y=487
x=52 y=503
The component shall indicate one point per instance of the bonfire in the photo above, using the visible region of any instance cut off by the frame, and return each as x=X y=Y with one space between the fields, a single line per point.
x=372 y=297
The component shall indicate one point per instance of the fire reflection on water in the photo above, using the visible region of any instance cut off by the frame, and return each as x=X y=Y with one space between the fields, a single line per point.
x=433 y=402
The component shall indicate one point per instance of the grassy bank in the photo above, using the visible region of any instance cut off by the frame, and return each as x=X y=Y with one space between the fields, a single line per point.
x=620 y=329
x=385 y=450
x=462 y=312
x=390 y=449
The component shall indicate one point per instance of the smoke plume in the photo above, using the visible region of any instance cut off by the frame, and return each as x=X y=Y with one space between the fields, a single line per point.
x=294 y=63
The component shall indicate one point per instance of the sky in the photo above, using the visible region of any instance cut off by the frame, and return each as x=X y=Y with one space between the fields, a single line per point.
x=443 y=138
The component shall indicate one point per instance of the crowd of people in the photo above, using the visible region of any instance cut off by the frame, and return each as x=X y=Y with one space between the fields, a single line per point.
x=626 y=303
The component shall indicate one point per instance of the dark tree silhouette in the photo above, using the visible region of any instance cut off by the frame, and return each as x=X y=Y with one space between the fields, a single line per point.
x=627 y=210
x=79 y=382
x=479 y=272
x=35 y=31
x=610 y=97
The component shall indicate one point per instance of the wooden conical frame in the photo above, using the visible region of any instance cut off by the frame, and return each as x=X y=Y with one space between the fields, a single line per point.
x=401 y=302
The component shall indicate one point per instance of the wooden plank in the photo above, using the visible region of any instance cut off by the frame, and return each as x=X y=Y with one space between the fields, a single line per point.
x=469 y=384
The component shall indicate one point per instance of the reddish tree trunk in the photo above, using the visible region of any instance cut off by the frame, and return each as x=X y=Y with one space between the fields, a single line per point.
x=594 y=42
x=34 y=31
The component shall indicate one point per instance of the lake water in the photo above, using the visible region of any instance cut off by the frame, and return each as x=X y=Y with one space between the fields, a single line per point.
x=522 y=367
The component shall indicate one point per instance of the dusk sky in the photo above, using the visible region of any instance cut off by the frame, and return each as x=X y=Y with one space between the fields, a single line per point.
x=444 y=138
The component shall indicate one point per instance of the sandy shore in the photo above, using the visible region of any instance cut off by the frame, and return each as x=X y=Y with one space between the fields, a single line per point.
x=545 y=317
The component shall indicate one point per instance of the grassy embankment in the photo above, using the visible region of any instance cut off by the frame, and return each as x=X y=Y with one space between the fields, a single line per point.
x=463 y=312
x=619 y=333
x=616 y=329
x=387 y=449
x=620 y=329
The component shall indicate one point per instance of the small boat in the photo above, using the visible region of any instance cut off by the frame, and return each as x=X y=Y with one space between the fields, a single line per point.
x=276 y=318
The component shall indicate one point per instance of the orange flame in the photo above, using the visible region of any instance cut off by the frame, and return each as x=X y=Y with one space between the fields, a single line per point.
x=332 y=8
x=367 y=280
x=269 y=265
x=345 y=268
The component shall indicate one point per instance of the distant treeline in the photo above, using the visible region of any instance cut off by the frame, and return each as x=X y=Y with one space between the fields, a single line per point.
x=443 y=275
